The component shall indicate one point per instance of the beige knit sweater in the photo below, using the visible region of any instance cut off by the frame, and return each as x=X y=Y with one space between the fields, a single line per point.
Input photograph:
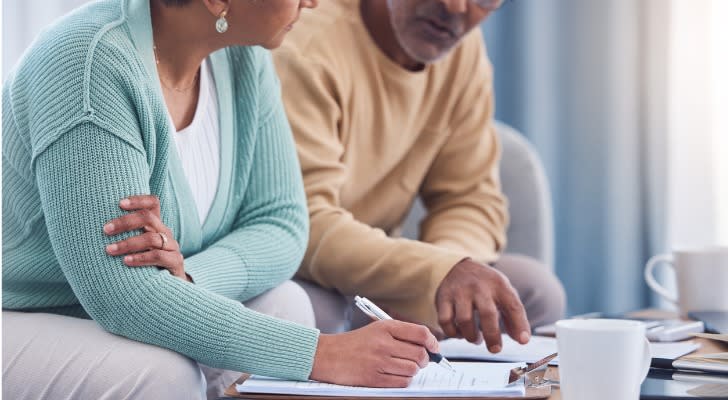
x=371 y=136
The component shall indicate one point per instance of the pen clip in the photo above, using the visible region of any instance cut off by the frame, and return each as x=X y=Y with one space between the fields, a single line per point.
x=371 y=309
x=364 y=306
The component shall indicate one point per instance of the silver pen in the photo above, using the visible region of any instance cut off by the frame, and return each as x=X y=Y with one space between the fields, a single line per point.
x=377 y=313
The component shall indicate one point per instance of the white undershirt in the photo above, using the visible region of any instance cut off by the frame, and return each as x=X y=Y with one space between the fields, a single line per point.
x=198 y=145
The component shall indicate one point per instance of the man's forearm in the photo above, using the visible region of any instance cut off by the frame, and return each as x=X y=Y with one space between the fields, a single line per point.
x=355 y=258
x=474 y=225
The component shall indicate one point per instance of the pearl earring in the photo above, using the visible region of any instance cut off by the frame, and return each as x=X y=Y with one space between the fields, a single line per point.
x=221 y=24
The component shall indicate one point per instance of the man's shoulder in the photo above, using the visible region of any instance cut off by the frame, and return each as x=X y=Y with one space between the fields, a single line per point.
x=324 y=32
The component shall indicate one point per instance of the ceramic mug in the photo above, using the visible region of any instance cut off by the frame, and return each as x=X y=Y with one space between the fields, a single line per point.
x=702 y=278
x=602 y=359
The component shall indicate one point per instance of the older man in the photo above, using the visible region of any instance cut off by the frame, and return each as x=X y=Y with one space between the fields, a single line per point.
x=393 y=99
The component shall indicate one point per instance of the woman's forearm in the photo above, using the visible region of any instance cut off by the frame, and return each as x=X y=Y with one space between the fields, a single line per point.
x=81 y=177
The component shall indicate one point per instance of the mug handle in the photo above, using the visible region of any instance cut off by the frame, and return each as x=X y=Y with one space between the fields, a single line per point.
x=652 y=282
x=646 y=361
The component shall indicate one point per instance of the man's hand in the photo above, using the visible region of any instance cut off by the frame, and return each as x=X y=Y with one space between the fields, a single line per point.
x=471 y=290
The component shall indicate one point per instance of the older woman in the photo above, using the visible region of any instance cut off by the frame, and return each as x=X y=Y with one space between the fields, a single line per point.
x=116 y=295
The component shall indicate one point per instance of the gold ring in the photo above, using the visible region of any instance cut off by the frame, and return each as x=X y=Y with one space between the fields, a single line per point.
x=164 y=240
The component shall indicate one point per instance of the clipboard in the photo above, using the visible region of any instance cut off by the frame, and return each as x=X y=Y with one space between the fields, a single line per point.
x=232 y=393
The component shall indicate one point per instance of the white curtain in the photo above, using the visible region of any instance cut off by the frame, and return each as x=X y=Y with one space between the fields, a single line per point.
x=620 y=99
x=720 y=111
x=578 y=78
x=698 y=124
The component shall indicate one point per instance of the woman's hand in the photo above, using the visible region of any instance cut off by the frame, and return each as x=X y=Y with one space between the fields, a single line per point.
x=155 y=247
x=381 y=354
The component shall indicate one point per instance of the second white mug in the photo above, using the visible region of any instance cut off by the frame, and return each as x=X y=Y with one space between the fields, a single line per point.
x=701 y=275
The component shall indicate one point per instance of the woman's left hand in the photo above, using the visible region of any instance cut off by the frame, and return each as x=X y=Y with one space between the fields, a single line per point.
x=156 y=246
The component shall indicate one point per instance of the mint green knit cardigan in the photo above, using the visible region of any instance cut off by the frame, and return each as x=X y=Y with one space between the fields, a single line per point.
x=84 y=125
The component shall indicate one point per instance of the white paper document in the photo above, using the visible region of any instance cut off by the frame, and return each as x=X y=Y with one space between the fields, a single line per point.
x=539 y=347
x=471 y=379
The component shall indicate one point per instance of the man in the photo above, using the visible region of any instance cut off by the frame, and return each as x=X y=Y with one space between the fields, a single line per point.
x=393 y=99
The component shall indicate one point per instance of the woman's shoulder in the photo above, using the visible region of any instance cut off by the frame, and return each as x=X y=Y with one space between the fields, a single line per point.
x=68 y=42
x=64 y=56
x=60 y=74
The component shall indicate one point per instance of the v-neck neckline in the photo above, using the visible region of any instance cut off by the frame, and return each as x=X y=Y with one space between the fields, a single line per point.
x=193 y=235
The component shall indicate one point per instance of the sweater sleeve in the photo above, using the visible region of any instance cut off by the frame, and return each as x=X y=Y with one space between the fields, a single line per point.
x=467 y=211
x=81 y=176
x=270 y=232
x=344 y=253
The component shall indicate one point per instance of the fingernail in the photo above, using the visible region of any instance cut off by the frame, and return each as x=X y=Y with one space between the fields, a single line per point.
x=112 y=248
x=125 y=203
x=128 y=259
x=495 y=349
x=525 y=336
x=108 y=228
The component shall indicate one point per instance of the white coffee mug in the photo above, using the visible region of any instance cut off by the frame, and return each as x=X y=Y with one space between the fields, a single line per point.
x=701 y=276
x=602 y=359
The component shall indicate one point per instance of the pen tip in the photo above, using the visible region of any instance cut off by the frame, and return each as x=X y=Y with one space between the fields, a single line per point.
x=447 y=365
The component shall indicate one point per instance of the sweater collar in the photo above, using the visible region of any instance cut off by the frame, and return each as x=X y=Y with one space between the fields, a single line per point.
x=139 y=19
x=192 y=234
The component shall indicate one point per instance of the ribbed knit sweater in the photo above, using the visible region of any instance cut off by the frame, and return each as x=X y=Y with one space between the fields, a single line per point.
x=85 y=125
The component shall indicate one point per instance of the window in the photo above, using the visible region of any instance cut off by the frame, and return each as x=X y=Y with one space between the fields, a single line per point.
x=698 y=124
x=719 y=36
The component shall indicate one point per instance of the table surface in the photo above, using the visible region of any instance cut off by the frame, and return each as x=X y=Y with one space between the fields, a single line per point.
x=707 y=346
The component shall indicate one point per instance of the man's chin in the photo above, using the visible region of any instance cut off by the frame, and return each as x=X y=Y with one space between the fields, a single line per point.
x=425 y=51
x=428 y=55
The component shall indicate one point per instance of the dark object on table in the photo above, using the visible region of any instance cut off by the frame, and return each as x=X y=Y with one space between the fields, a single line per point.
x=669 y=384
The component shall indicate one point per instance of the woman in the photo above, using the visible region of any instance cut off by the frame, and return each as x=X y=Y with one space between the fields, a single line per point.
x=169 y=98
